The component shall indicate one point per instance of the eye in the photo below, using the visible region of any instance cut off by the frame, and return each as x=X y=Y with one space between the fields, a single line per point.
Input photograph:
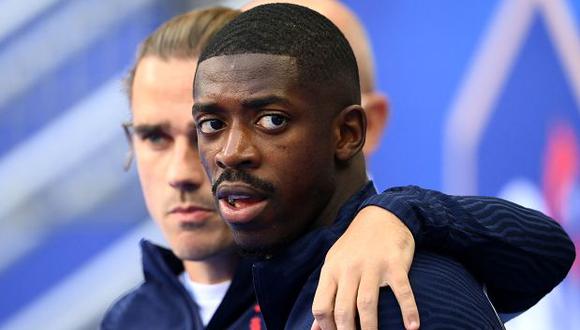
x=272 y=122
x=209 y=126
x=157 y=139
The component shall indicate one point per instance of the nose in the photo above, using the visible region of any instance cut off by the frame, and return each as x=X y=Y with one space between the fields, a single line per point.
x=239 y=151
x=185 y=172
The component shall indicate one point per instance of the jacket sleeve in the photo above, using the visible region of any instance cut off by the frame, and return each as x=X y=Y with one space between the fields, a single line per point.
x=519 y=254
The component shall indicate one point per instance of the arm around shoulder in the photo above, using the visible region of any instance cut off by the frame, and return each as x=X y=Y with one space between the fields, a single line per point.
x=518 y=253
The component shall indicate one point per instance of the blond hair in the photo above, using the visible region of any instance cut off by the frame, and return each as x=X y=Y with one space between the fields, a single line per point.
x=182 y=37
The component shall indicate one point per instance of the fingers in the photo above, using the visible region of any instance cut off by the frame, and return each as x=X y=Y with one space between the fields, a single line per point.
x=346 y=297
x=323 y=304
x=315 y=326
x=404 y=294
x=367 y=300
x=351 y=278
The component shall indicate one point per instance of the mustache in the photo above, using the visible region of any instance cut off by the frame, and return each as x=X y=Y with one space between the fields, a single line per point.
x=241 y=176
x=186 y=198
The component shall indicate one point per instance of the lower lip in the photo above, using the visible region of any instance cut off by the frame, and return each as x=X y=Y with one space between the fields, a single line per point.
x=241 y=215
x=195 y=217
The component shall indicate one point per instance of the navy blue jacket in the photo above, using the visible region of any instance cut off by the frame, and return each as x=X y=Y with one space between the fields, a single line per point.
x=448 y=297
x=162 y=302
x=519 y=254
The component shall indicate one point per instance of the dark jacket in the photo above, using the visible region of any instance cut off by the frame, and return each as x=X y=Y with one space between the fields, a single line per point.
x=447 y=295
x=517 y=253
x=162 y=302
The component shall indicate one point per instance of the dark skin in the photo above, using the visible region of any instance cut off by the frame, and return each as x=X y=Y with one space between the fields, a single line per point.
x=253 y=116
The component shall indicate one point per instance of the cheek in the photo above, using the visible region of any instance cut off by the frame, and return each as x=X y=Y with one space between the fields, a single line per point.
x=312 y=147
x=300 y=162
x=151 y=169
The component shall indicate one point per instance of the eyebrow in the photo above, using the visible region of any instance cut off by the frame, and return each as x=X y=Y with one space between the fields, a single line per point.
x=144 y=129
x=147 y=128
x=252 y=103
x=204 y=107
x=264 y=102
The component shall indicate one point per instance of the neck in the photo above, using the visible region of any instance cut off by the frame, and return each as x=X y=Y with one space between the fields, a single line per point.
x=349 y=181
x=216 y=269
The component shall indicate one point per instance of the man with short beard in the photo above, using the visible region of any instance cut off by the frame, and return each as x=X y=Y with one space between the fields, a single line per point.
x=280 y=133
x=184 y=286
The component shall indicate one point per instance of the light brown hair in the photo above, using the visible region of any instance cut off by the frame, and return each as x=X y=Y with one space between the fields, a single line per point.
x=182 y=37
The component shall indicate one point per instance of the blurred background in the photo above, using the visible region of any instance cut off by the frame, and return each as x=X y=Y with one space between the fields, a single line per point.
x=485 y=99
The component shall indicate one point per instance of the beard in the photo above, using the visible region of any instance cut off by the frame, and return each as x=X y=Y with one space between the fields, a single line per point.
x=261 y=252
x=271 y=249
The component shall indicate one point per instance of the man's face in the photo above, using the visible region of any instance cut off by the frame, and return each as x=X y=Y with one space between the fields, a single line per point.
x=266 y=145
x=176 y=190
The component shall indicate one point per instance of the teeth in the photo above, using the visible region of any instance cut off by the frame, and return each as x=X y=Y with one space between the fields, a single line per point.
x=232 y=199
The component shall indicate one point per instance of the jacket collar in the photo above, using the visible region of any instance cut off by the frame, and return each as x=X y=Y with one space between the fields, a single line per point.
x=279 y=280
x=159 y=263
x=162 y=266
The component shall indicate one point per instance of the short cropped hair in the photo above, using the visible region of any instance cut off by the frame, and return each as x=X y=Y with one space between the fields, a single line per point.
x=182 y=37
x=323 y=55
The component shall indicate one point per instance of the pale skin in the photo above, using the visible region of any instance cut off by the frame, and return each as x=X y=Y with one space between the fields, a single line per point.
x=351 y=279
x=170 y=173
x=178 y=196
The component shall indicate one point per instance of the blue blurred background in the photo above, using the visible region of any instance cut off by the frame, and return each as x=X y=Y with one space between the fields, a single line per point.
x=485 y=99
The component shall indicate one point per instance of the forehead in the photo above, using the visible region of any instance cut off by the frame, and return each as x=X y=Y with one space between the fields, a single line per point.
x=245 y=74
x=162 y=87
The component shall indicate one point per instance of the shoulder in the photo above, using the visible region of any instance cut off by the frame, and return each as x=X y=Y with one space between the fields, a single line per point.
x=446 y=294
x=127 y=308
x=148 y=305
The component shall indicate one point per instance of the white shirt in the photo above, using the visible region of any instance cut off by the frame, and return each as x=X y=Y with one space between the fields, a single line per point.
x=206 y=296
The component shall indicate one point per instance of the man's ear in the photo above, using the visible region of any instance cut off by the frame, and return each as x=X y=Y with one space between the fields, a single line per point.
x=127 y=127
x=350 y=132
x=376 y=107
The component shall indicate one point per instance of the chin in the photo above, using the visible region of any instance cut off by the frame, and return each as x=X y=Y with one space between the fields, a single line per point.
x=254 y=245
x=201 y=252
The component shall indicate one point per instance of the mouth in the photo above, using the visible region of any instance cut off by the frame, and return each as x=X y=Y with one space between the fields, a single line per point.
x=240 y=204
x=189 y=215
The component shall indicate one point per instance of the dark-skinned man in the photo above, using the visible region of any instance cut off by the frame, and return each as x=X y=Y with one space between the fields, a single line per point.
x=280 y=134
